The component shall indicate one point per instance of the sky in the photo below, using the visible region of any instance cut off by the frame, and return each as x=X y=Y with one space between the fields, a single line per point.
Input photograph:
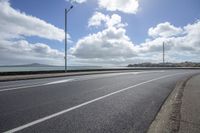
x=100 y=32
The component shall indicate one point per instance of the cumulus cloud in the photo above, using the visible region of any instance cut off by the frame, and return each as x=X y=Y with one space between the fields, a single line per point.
x=22 y=51
x=107 y=44
x=164 y=30
x=99 y=18
x=186 y=40
x=15 y=24
x=183 y=46
x=113 y=46
x=77 y=1
x=15 y=27
x=126 y=6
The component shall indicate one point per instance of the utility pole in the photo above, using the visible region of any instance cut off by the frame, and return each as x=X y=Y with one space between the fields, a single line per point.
x=66 y=12
x=163 y=52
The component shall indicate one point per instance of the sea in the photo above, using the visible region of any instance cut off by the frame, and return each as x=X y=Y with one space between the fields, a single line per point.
x=51 y=68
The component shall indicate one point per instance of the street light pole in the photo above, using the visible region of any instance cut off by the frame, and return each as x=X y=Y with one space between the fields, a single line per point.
x=163 y=52
x=66 y=12
x=65 y=40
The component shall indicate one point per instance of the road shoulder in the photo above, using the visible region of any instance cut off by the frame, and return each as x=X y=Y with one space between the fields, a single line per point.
x=190 y=109
x=175 y=112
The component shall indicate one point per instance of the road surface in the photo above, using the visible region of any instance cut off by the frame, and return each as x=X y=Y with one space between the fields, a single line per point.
x=110 y=103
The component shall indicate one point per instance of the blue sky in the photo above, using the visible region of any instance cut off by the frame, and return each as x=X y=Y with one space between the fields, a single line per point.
x=174 y=17
x=151 y=12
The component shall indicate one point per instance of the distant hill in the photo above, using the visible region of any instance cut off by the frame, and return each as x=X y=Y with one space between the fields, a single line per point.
x=29 y=65
x=182 y=64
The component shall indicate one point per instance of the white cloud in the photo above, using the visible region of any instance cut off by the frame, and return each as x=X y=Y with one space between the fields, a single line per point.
x=14 y=23
x=164 y=30
x=77 y=1
x=15 y=27
x=107 y=44
x=113 y=47
x=183 y=46
x=99 y=18
x=187 y=40
x=21 y=52
x=126 y=6
x=115 y=20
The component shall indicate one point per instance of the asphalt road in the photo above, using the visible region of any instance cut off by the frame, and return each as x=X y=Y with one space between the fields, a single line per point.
x=103 y=103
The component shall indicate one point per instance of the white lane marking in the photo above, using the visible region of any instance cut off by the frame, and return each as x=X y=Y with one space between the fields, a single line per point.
x=15 y=85
x=20 y=85
x=58 y=82
x=81 y=105
x=29 y=84
x=18 y=88
x=36 y=85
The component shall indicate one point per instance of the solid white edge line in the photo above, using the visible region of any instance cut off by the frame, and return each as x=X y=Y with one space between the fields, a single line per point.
x=81 y=105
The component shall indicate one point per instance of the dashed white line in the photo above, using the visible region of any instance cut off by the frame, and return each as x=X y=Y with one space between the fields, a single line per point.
x=58 y=82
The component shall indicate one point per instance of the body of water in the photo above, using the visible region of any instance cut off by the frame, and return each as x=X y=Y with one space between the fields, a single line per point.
x=22 y=69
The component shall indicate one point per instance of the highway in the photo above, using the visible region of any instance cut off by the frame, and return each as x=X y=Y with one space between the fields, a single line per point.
x=102 y=103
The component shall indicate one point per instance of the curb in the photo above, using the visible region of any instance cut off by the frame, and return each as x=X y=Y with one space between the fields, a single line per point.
x=168 y=117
